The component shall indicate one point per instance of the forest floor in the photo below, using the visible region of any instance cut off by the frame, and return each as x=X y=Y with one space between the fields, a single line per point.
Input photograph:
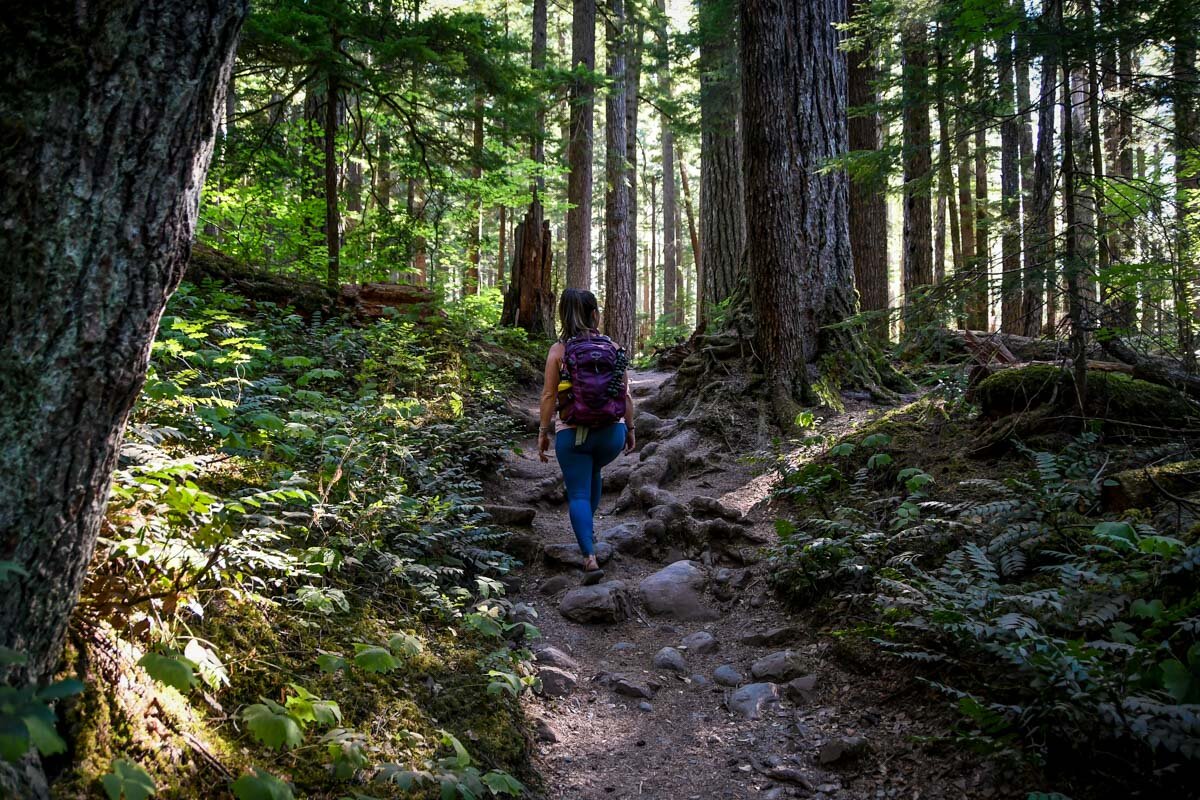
x=846 y=728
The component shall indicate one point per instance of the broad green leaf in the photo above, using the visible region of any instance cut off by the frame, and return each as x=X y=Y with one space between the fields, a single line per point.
x=330 y=662
x=843 y=449
x=376 y=659
x=127 y=780
x=175 y=671
x=405 y=644
x=14 y=738
x=57 y=691
x=276 y=730
x=261 y=786
x=503 y=783
x=877 y=440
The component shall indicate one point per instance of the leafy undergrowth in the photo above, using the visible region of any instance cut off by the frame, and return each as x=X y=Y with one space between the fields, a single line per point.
x=1066 y=635
x=296 y=593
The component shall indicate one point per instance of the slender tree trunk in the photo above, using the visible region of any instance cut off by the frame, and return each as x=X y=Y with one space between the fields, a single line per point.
x=633 y=71
x=797 y=237
x=501 y=261
x=579 y=177
x=1031 y=280
x=1074 y=264
x=1085 y=198
x=537 y=65
x=88 y=269
x=722 y=200
x=1010 y=192
x=966 y=200
x=918 y=168
x=976 y=300
x=471 y=276
x=653 y=279
x=1040 y=278
x=693 y=236
x=946 y=191
x=868 y=194
x=671 y=306
x=1186 y=86
x=620 y=288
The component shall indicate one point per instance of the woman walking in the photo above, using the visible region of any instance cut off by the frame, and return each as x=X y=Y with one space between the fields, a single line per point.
x=587 y=384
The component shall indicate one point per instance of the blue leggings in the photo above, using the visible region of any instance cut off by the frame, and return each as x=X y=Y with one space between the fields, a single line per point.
x=581 y=473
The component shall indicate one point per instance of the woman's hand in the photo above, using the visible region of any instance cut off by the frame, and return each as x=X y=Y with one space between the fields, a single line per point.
x=543 y=445
x=630 y=440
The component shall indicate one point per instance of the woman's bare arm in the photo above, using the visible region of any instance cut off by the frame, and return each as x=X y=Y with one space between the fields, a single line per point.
x=550 y=388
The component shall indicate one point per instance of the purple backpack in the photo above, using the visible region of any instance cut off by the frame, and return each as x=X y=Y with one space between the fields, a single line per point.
x=595 y=365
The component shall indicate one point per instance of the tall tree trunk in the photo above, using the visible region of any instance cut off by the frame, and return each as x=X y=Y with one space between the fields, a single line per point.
x=653 y=278
x=868 y=194
x=1084 y=194
x=1074 y=262
x=537 y=65
x=797 y=237
x=693 y=236
x=1010 y=191
x=1031 y=282
x=1186 y=86
x=976 y=294
x=88 y=270
x=579 y=177
x=946 y=190
x=620 y=288
x=529 y=299
x=471 y=276
x=670 y=303
x=966 y=200
x=722 y=196
x=502 y=235
x=633 y=72
x=1040 y=279
x=918 y=168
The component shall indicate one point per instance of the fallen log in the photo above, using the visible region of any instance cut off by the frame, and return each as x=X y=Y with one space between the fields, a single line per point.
x=1146 y=487
x=373 y=299
x=1022 y=348
x=1153 y=369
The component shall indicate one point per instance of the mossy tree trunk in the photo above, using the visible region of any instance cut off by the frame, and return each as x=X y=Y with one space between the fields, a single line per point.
x=797 y=244
x=113 y=107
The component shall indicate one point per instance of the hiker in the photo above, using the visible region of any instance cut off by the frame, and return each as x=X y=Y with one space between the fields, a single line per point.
x=587 y=384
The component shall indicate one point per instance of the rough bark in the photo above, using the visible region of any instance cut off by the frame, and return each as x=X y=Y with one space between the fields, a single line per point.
x=619 y=280
x=1031 y=282
x=115 y=106
x=1010 y=191
x=579 y=156
x=946 y=192
x=868 y=193
x=537 y=64
x=1040 y=271
x=918 y=169
x=633 y=72
x=976 y=291
x=670 y=301
x=722 y=196
x=1186 y=112
x=693 y=236
x=966 y=200
x=1074 y=263
x=797 y=237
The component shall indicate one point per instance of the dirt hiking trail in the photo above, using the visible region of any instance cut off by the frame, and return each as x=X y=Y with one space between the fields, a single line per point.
x=680 y=676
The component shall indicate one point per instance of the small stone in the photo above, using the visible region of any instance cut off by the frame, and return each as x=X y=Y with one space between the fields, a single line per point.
x=556 y=585
x=671 y=659
x=776 y=793
x=758 y=601
x=699 y=681
x=727 y=675
x=700 y=642
x=799 y=690
x=552 y=656
x=568 y=553
x=723 y=575
x=842 y=749
x=790 y=775
x=630 y=688
x=829 y=787
x=771 y=637
x=556 y=682
x=749 y=700
x=623 y=647
x=523 y=612
x=644 y=706
x=628 y=537
x=781 y=666
x=543 y=731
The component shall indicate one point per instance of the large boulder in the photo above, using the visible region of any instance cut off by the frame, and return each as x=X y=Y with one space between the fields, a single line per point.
x=604 y=602
x=677 y=591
